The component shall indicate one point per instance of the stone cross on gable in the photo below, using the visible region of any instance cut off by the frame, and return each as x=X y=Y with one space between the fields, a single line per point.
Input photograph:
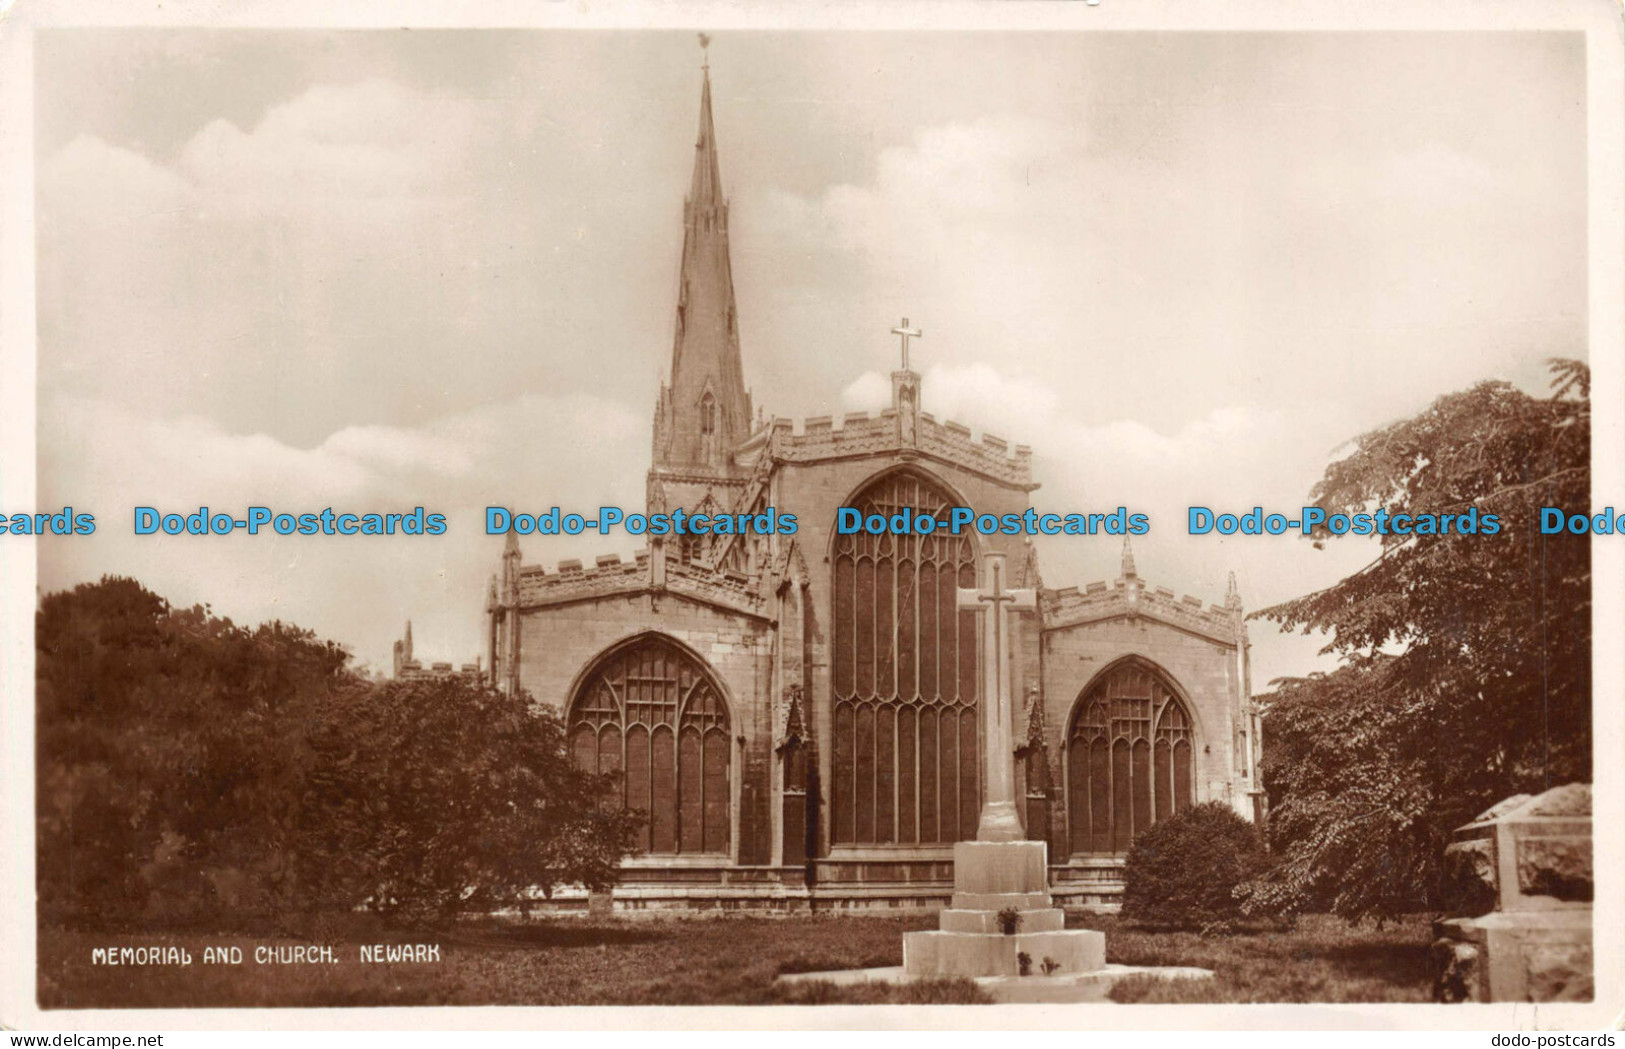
x=1000 y=821
x=904 y=332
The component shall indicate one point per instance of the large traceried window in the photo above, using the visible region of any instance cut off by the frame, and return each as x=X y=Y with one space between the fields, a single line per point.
x=1129 y=759
x=904 y=682
x=650 y=709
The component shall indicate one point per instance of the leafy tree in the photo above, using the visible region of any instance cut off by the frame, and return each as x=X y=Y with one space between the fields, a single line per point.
x=191 y=771
x=1182 y=872
x=442 y=794
x=168 y=757
x=1466 y=658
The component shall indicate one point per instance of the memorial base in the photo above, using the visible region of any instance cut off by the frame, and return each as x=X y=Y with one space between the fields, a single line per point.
x=1002 y=923
x=998 y=884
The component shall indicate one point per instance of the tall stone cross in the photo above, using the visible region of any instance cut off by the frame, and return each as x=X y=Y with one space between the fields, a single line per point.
x=999 y=820
x=906 y=333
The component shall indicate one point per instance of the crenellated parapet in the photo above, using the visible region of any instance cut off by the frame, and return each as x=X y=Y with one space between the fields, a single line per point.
x=879 y=433
x=573 y=581
x=610 y=576
x=1132 y=597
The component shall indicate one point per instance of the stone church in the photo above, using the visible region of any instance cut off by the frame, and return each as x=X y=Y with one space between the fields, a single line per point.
x=797 y=714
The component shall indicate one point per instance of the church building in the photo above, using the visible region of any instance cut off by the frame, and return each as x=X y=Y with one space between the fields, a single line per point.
x=798 y=714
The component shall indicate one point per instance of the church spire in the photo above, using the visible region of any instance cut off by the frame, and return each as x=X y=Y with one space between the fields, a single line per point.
x=706 y=190
x=705 y=412
x=1128 y=559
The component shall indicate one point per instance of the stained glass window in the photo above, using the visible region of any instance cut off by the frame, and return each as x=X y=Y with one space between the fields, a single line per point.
x=1129 y=759
x=650 y=709
x=903 y=668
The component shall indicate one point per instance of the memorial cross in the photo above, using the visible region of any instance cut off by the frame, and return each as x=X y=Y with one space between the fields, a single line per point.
x=999 y=819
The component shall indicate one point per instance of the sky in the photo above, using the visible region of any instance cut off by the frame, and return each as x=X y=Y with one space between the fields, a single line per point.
x=380 y=269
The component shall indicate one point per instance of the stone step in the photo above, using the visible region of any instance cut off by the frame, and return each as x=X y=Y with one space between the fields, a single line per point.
x=1048 y=919
x=982 y=954
x=998 y=901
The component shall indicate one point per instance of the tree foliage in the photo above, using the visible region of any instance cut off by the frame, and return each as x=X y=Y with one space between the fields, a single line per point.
x=191 y=771
x=1466 y=658
x=169 y=756
x=1183 y=872
x=443 y=794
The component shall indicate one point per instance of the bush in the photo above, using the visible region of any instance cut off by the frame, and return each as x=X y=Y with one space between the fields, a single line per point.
x=1183 y=872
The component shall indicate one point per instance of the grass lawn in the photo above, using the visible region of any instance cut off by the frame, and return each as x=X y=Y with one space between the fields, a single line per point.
x=1323 y=959
x=723 y=960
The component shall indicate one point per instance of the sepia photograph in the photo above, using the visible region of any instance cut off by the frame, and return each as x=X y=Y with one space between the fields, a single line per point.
x=1004 y=508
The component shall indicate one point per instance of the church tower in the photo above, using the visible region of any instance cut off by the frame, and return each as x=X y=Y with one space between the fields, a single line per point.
x=704 y=413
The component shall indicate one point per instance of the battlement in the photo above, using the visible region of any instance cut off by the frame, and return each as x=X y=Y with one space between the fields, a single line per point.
x=866 y=433
x=571 y=581
x=1071 y=606
x=610 y=574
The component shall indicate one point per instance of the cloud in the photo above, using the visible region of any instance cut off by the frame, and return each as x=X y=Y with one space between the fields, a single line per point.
x=344 y=151
x=104 y=458
x=1226 y=269
x=363 y=253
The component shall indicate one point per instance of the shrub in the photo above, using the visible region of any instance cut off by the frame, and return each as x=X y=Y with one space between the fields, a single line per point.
x=1183 y=872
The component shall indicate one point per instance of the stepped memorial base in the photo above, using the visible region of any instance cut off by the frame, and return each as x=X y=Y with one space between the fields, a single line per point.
x=1008 y=878
x=997 y=883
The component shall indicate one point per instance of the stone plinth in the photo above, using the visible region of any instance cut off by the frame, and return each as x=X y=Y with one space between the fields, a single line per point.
x=991 y=877
x=1527 y=861
x=996 y=867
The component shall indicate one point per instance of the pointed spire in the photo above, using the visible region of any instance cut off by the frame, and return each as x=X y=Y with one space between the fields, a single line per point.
x=1128 y=559
x=704 y=414
x=510 y=545
x=706 y=190
x=408 y=639
x=1035 y=720
x=1232 y=596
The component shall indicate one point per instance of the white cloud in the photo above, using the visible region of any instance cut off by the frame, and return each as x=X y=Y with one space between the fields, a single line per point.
x=106 y=459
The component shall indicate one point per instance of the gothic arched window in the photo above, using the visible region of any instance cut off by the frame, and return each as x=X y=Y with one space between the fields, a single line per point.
x=1129 y=759
x=903 y=669
x=708 y=414
x=653 y=710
